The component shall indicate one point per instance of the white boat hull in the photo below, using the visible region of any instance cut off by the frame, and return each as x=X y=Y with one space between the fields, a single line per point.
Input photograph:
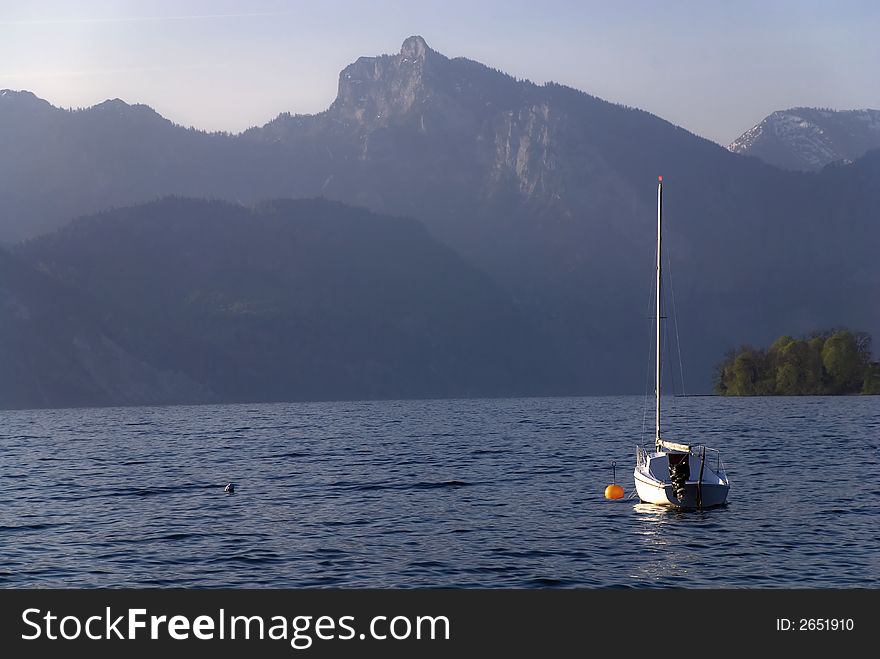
x=654 y=485
x=706 y=495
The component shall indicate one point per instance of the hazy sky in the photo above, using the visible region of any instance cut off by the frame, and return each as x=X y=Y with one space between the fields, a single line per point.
x=715 y=68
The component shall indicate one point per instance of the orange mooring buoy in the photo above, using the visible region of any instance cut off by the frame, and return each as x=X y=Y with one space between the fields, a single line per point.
x=614 y=491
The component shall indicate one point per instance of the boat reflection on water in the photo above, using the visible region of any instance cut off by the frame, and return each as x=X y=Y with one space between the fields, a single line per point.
x=661 y=560
x=671 y=542
x=660 y=513
x=652 y=520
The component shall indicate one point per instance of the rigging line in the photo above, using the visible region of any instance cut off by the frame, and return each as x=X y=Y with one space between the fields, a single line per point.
x=647 y=394
x=667 y=352
x=649 y=307
x=665 y=338
x=672 y=404
x=686 y=417
x=675 y=320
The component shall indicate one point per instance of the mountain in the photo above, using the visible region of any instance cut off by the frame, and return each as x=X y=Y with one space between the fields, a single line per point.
x=289 y=300
x=57 y=349
x=547 y=190
x=807 y=139
x=58 y=164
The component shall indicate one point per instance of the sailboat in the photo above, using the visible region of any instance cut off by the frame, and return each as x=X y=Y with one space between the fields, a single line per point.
x=672 y=473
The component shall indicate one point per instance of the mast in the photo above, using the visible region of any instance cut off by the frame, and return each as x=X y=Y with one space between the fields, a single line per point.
x=657 y=374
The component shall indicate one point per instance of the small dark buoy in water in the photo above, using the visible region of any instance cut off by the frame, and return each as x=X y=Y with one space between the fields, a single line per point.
x=614 y=491
x=229 y=489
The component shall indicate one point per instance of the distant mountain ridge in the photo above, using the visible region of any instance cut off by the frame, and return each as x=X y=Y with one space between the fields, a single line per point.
x=186 y=300
x=547 y=190
x=808 y=139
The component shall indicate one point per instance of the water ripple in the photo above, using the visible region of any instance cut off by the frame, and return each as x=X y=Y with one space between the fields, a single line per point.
x=460 y=493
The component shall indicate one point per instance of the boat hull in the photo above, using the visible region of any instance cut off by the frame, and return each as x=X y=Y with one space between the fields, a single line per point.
x=705 y=495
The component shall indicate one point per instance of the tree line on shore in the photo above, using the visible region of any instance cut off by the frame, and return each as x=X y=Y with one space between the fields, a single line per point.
x=827 y=362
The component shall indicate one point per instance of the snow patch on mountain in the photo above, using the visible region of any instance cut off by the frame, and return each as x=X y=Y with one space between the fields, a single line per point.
x=810 y=138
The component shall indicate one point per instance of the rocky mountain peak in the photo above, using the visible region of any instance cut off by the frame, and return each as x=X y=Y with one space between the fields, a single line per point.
x=807 y=139
x=374 y=89
x=415 y=48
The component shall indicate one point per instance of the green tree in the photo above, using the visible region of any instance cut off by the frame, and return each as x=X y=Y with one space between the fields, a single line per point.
x=746 y=372
x=814 y=372
x=825 y=362
x=724 y=374
x=781 y=344
x=843 y=363
x=871 y=384
x=792 y=360
x=788 y=380
x=783 y=365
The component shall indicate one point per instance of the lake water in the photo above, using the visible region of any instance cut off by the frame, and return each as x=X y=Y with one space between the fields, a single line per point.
x=461 y=493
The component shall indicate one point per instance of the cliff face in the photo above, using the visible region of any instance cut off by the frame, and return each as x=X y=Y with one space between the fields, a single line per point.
x=377 y=91
x=506 y=133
